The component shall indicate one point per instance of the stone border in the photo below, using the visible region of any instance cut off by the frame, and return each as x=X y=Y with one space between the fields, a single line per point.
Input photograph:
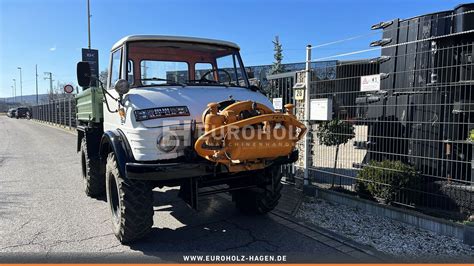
x=430 y=223
x=71 y=130
x=358 y=251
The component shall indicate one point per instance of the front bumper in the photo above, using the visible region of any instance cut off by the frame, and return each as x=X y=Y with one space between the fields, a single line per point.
x=165 y=171
x=174 y=171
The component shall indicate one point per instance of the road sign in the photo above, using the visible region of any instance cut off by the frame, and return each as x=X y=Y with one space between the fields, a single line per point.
x=370 y=83
x=68 y=88
x=92 y=56
x=278 y=103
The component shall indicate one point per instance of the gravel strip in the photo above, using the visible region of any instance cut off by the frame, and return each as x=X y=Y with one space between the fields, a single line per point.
x=392 y=237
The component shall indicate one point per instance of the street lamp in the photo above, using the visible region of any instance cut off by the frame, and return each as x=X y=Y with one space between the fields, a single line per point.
x=14 y=95
x=21 y=86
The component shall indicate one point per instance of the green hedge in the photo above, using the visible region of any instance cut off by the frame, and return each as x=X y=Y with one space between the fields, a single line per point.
x=386 y=180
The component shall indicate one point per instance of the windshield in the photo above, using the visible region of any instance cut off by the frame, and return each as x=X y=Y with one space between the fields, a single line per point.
x=170 y=63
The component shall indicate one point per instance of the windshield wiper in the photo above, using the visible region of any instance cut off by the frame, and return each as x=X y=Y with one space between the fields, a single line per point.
x=209 y=82
x=168 y=82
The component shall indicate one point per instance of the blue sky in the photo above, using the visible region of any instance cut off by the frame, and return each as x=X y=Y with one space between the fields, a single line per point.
x=51 y=33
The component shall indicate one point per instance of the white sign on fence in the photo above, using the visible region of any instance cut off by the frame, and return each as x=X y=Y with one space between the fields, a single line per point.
x=278 y=103
x=321 y=109
x=370 y=83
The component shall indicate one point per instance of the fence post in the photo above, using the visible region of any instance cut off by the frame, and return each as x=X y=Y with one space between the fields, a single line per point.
x=61 y=106
x=307 y=147
x=53 y=112
x=55 y=109
x=70 y=113
x=64 y=113
x=58 y=112
x=58 y=106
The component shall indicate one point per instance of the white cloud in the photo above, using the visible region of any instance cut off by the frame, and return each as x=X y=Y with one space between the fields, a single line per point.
x=52 y=49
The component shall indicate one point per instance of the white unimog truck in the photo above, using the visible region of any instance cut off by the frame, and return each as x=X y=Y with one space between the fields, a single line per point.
x=179 y=111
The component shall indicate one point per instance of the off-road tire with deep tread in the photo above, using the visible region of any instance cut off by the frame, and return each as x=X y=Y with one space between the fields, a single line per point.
x=132 y=217
x=94 y=179
x=262 y=199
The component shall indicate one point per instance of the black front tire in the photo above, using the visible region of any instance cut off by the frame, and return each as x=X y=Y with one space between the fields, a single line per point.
x=262 y=199
x=131 y=204
x=93 y=177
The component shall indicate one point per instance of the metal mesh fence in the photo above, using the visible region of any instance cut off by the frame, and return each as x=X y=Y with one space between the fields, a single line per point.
x=408 y=143
x=60 y=112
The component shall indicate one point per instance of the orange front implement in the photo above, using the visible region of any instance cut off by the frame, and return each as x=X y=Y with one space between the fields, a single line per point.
x=248 y=135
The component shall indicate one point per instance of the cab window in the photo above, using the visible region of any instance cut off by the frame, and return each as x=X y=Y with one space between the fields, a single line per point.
x=115 y=67
x=157 y=72
x=130 y=75
x=201 y=69
x=230 y=69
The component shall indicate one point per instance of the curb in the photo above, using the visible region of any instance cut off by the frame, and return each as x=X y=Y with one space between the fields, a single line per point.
x=55 y=126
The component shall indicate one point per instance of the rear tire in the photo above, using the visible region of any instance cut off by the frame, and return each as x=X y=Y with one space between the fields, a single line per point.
x=130 y=202
x=262 y=199
x=94 y=180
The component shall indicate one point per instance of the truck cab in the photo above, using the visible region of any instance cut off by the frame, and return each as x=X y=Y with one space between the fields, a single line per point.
x=179 y=111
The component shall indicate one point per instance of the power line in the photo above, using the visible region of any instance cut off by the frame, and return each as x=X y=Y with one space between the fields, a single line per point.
x=388 y=30
x=395 y=45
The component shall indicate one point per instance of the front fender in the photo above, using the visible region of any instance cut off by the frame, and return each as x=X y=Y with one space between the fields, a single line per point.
x=116 y=142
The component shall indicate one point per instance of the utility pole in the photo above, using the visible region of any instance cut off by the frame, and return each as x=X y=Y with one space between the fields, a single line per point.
x=36 y=68
x=49 y=76
x=14 y=95
x=307 y=102
x=21 y=87
x=89 y=23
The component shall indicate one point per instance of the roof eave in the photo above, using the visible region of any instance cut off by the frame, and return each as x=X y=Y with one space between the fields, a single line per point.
x=132 y=38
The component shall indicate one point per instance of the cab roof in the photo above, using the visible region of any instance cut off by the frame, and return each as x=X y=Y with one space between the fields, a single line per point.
x=134 y=38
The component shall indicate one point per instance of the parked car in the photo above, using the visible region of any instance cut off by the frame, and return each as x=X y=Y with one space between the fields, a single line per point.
x=11 y=112
x=22 y=112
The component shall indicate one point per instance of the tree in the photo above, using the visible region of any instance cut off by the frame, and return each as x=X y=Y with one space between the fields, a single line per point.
x=335 y=133
x=58 y=91
x=277 y=66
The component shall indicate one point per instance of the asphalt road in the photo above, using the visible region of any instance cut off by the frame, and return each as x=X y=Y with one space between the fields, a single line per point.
x=45 y=216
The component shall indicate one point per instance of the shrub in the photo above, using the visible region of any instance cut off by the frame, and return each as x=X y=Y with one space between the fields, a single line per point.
x=386 y=180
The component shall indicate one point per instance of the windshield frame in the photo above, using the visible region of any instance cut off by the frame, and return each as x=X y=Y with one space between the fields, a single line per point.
x=136 y=83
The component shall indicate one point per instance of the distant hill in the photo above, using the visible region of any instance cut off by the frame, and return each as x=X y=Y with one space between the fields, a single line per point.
x=27 y=99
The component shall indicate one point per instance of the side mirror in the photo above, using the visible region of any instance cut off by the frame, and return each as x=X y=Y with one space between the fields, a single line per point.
x=122 y=87
x=83 y=74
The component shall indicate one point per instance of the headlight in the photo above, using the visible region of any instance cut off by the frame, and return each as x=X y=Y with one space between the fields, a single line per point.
x=166 y=142
x=160 y=112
